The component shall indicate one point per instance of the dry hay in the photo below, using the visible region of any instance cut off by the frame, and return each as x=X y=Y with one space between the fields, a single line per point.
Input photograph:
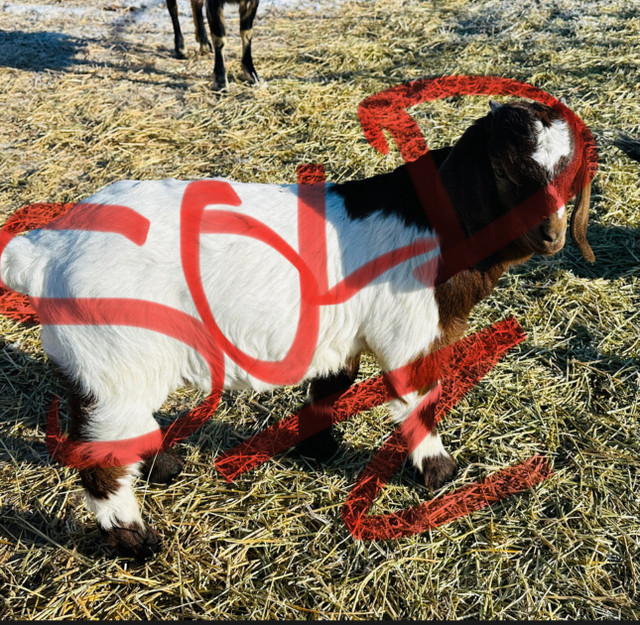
x=95 y=96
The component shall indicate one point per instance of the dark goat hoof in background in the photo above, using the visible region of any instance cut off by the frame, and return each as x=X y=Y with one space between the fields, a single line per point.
x=162 y=468
x=220 y=83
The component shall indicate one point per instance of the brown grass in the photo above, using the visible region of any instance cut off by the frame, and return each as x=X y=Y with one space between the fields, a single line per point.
x=100 y=98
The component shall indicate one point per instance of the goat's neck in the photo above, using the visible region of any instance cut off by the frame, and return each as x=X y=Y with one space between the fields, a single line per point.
x=457 y=296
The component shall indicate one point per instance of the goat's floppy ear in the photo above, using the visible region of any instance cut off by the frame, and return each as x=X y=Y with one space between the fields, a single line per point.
x=579 y=221
x=494 y=106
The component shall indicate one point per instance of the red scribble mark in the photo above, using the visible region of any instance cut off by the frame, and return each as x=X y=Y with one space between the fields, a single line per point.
x=459 y=366
x=384 y=110
x=104 y=218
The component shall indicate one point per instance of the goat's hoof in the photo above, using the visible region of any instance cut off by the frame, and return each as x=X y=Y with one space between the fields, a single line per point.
x=250 y=76
x=162 y=468
x=181 y=53
x=320 y=447
x=438 y=470
x=206 y=48
x=220 y=83
x=133 y=540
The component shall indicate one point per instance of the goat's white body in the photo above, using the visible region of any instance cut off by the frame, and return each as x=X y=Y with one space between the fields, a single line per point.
x=253 y=291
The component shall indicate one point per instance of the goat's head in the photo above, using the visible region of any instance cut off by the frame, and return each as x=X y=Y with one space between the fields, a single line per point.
x=515 y=153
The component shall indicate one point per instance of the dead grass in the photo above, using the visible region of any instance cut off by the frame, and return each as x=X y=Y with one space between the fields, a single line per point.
x=89 y=101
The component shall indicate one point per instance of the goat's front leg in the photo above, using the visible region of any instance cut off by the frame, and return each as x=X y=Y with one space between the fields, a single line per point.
x=322 y=446
x=198 y=22
x=172 y=5
x=248 y=10
x=109 y=490
x=217 y=25
x=416 y=411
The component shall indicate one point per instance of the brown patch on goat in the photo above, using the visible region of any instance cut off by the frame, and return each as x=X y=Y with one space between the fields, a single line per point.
x=458 y=295
x=99 y=482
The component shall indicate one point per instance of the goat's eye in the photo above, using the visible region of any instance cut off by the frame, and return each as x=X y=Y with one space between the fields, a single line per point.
x=499 y=172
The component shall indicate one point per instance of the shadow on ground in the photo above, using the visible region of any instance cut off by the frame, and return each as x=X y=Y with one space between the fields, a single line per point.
x=38 y=51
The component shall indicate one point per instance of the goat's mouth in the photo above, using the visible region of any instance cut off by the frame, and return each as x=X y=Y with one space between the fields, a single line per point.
x=544 y=247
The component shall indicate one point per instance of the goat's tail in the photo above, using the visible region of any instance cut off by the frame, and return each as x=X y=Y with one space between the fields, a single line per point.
x=21 y=265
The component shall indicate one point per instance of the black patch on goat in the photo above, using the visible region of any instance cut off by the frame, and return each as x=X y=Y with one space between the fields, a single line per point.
x=322 y=446
x=391 y=194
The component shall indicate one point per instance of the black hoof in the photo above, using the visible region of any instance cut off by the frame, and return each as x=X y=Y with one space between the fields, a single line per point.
x=181 y=54
x=438 y=470
x=133 y=541
x=250 y=75
x=163 y=468
x=320 y=447
x=220 y=83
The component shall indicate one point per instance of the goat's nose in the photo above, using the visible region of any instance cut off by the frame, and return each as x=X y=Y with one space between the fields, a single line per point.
x=548 y=236
x=547 y=233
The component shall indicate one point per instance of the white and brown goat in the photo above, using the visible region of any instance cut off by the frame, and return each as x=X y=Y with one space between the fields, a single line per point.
x=123 y=374
x=215 y=17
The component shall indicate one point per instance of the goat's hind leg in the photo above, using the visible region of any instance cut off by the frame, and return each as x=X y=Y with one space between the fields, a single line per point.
x=109 y=489
x=215 y=16
x=198 y=22
x=248 y=10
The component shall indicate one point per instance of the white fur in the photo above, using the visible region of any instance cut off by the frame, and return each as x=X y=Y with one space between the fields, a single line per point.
x=253 y=292
x=554 y=142
x=119 y=508
x=430 y=447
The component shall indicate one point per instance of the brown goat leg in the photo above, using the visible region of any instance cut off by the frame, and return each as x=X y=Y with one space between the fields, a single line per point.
x=218 y=29
x=248 y=10
x=198 y=22
x=108 y=490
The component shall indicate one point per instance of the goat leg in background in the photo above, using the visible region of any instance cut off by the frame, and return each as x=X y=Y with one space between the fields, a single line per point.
x=201 y=31
x=322 y=446
x=215 y=16
x=172 y=5
x=248 y=10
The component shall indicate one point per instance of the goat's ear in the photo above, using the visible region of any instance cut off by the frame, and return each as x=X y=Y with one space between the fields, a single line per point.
x=494 y=106
x=579 y=221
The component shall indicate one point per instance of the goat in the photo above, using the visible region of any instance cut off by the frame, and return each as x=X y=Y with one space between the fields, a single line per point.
x=216 y=21
x=120 y=375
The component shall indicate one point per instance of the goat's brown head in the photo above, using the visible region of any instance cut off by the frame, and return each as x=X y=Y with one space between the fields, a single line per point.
x=514 y=155
x=530 y=145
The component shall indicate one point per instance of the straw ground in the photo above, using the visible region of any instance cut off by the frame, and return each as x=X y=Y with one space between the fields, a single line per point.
x=91 y=94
